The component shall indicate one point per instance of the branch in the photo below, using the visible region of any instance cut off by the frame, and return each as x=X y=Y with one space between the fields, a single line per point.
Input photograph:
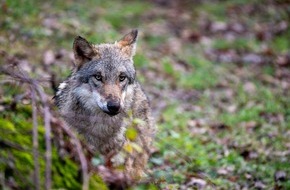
x=24 y=77
x=76 y=142
x=47 y=118
x=35 y=140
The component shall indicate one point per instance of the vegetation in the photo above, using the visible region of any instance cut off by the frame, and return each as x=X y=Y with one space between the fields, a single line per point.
x=217 y=74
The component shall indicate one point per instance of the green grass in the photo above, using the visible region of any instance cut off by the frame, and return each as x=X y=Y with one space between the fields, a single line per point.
x=239 y=44
x=196 y=135
x=281 y=44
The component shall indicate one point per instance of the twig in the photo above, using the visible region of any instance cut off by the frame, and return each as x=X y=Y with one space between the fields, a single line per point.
x=47 y=118
x=76 y=142
x=24 y=77
x=35 y=140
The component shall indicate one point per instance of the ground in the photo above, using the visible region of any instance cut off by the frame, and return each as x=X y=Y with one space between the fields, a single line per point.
x=217 y=74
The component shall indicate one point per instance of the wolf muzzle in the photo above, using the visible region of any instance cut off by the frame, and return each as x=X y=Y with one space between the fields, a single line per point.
x=113 y=107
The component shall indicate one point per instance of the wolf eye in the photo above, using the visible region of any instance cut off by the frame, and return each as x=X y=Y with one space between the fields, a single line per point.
x=98 y=77
x=122 y=78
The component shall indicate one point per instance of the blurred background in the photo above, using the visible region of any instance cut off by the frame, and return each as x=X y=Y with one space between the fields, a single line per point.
x=217 y=73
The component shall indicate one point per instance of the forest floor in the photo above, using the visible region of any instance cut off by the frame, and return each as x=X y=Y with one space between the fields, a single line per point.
x=217 y=74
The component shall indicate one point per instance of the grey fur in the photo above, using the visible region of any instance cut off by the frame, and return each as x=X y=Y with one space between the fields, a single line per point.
x=83 y=99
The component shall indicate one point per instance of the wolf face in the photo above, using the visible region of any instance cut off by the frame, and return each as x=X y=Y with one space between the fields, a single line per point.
x=104 y=73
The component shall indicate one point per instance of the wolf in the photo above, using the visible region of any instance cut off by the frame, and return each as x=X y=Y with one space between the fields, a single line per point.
x=102 y=97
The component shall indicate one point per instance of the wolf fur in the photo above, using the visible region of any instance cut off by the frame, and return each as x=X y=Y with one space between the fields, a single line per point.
x=101 y=98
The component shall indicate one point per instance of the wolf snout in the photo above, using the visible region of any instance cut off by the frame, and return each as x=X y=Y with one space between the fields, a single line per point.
x=113 y=107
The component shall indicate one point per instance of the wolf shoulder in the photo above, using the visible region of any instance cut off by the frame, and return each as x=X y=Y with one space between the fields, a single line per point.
x=141 y=104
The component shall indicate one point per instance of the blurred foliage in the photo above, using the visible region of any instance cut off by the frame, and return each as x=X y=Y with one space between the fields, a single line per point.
x=217 y=74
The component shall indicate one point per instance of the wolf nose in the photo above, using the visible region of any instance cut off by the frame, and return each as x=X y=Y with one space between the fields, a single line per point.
x=113 y=107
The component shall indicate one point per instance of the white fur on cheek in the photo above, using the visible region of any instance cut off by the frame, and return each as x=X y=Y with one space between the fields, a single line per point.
x=100 y=100
x=91 y=100
x=129 y=90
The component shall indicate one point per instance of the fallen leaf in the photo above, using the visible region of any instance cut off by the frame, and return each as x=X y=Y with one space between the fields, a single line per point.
x=196 y=182
x=259 y=185
x=48 y=57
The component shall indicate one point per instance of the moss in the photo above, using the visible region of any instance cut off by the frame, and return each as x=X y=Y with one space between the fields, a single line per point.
x=6 y=125
x=96 y=182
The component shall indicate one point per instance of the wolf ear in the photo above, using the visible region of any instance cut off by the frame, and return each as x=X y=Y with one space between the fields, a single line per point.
x=128 y=43
x=83 y=51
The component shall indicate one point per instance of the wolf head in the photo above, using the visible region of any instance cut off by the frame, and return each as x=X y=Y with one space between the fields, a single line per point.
x=104 y=73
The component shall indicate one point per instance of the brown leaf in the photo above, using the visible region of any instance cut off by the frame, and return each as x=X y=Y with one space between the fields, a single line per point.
x=283 y=60
x=252 y=58
x=51 y=23
x=249 y=87
x=197 y=182
x=218 y=26
x=48 y=57
x=237 y=27
x=259 y=185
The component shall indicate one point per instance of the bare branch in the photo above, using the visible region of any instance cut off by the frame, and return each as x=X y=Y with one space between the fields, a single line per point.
x=47 y=118
x=76 y=142
x=35 y=140
x=24 y=77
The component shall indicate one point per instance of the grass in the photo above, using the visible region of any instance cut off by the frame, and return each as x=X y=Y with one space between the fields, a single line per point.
x=228 y=134
x=240 y=44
